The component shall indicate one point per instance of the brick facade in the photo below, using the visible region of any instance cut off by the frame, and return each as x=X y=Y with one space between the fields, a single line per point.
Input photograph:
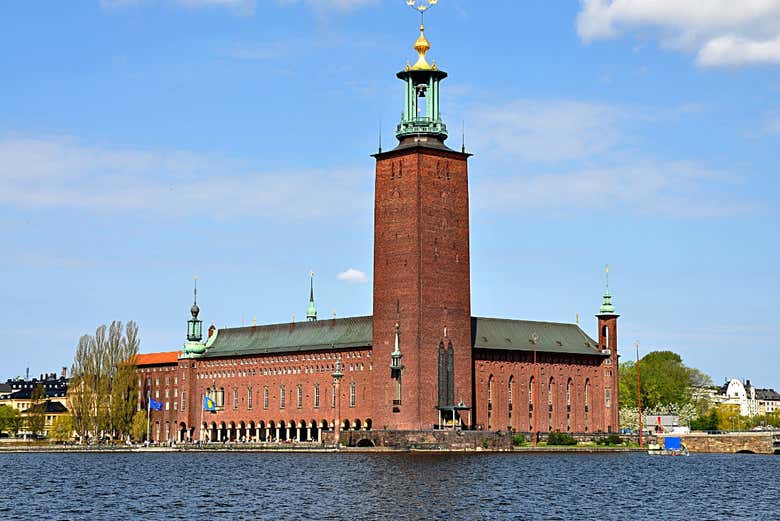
x=421 y=280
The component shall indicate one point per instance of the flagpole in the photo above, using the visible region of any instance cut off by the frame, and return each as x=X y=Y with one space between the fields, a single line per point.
x=202 y=406
x=148 y=414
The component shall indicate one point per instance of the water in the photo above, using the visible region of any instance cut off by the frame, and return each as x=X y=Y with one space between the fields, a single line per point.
x=238 y=486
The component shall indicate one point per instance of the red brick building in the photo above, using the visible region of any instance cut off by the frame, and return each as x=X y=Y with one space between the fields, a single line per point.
x=422 y=361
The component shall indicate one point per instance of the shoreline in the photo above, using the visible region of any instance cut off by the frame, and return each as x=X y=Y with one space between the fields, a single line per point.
x=312 y=450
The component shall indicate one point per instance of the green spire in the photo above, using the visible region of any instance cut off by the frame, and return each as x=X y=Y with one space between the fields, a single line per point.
x=311 y=312
x=606 y=306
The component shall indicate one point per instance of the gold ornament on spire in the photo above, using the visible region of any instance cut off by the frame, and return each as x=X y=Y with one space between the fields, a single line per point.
x=422 y=45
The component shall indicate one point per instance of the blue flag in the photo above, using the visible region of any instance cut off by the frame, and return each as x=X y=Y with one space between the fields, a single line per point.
x=209 y=405
x=155 y=405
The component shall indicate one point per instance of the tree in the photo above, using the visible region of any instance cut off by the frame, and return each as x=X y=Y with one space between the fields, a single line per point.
x=124 y=391
x=36 y=413
x=62 y=428
x=706 y=422
x=665 y=380
x=102 y=390
x=9 y=417
x=10 y=420
x=139 y=426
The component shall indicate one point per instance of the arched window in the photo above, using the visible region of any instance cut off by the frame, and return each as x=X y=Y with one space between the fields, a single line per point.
x=316 y=396
x=550 y=391
x=265 y=397
x=282 y=397
x=235 y=398
x=249 y=397
x=605 y=336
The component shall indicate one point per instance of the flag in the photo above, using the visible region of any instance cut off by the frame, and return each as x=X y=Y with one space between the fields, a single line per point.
x=209 y=405
x=154 y=404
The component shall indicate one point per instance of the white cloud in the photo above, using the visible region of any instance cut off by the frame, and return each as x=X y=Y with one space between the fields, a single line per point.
x=544 y=130
x=354 y=276
x=672 y=189
x=64 y=173
x=341 y=5
x=720 y=32
x=245 y=7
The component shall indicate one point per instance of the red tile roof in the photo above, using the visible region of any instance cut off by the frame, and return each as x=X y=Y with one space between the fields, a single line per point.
x=170 y=357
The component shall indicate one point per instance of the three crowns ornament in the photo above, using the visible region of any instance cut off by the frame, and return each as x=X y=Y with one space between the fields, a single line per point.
x=421 y=5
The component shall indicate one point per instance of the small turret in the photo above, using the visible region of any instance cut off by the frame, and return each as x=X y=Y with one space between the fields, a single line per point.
x=193 y=345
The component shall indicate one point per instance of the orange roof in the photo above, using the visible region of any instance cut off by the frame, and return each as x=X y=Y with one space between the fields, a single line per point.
x=170 y=357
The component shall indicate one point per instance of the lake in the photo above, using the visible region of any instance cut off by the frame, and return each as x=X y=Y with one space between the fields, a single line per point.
x=238 y=486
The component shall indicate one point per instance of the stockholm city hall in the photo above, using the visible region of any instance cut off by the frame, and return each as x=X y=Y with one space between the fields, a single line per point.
x=422 y=362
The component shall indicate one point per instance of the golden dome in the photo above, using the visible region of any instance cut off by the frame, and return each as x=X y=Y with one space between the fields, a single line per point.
x=422 y=46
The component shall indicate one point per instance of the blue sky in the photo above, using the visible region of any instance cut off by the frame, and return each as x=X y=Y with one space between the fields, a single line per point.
x=144 y=141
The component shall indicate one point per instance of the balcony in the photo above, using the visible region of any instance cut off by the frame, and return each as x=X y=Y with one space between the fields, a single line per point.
x=422 y=125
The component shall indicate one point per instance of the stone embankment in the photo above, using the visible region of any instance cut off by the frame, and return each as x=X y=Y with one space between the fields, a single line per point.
x=733 y=442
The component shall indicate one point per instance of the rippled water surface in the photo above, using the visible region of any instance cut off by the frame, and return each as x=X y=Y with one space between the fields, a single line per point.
x=236 y=486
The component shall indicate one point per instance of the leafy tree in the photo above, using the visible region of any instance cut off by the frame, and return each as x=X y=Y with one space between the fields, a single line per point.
x=102 y=390
x=139 y=426
x=62 y=428
x=11 y=420
x=9 y=417
x=664 y=378
x=36 y=413
x=707 y=422
x=729 y=418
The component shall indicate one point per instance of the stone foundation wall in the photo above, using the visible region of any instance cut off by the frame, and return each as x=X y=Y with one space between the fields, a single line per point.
x=758 y=442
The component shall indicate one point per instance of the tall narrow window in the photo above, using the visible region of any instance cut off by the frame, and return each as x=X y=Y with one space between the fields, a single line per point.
x=333 y=397
x=221 y=398
x=450 y=374
x=282 y=397
x=316 y=396
x=183 y=400
x=490 y=402
x=235 y=398
x=249 y=398
x=300 y=396
x=509 y=399
x=531 y=399
x=586 y=396
x=442 y=375
x=568 y=405
x=265 y=397
x=550 y=390
x=352 y=394
x=608 y=397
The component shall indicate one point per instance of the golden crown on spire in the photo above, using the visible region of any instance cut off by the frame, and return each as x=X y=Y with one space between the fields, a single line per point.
x=422 y=45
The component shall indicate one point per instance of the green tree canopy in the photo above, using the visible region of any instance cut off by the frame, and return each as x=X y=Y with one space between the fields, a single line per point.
x=664 y=379
x=10 y=420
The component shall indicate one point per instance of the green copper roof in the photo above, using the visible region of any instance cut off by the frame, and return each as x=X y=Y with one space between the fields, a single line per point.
x=516 y=335
x=346 y=333
x=341 y=333
x=606 y=306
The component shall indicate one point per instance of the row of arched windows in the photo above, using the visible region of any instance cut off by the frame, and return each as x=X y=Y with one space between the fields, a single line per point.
x=551 y=403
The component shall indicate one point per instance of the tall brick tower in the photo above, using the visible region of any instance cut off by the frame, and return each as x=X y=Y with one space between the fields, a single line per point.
x=609 y=345
x=422 y=294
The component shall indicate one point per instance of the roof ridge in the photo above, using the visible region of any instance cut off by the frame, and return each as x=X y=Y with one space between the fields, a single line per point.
x=306 y=323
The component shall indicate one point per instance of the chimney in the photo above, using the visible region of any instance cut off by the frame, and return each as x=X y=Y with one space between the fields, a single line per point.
x=64 y=373
x=212 y=328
